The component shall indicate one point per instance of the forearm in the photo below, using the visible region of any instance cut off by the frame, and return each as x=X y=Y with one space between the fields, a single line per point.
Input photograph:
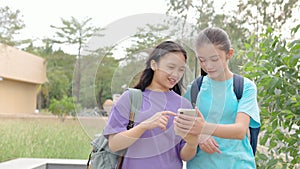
x=237 y=130
x=228 y=131
x=126 y=138
x=188 y=151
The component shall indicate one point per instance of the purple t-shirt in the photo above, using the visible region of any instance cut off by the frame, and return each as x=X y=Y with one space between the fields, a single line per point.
x=155 y=148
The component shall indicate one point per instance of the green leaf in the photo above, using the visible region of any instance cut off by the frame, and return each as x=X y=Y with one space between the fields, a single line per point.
x=295 y=30
x=269 y=29
x=295 y=47
x=271 y=163
x=264 y=139
x=250 y=54
x=247 y=46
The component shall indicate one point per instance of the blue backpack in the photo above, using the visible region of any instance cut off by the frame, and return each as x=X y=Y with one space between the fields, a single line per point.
x=238 y=87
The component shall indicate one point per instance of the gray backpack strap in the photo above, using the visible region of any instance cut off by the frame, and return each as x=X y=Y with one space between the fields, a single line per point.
x=136 y=99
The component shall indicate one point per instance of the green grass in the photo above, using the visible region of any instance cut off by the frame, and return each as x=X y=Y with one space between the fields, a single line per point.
x=42 y=138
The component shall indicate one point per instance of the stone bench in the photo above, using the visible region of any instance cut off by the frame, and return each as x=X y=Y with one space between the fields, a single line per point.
x=43 y=163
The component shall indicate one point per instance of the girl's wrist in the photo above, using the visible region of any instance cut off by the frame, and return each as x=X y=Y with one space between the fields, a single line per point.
x=209 y=128
x=142 y=126
x=193 y=146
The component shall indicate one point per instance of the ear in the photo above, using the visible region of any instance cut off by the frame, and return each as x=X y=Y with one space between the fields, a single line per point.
x=230 y=54
x=153 y=65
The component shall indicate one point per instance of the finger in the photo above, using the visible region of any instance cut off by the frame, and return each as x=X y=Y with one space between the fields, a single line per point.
x=164 y=121
x=162 y=124
x=214 y=149
x=162 y=127
x=206 y=149
x=187 y=124
x=181 y=128
x=214 y=142
x=168 y=113
x=186 y=117
x=181 y=125
x=213 y=145
x=199 y=113
x=217 y=150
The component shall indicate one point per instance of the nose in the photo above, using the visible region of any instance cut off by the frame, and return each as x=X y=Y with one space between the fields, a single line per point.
x=177 y=73
x=208 y=64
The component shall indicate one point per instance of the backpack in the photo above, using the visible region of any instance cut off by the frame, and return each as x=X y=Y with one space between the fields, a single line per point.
x=101 y=157
x=238 y=87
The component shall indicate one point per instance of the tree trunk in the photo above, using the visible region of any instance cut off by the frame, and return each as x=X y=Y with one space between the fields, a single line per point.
x=77 y=80
x=99 y=99
x=39 y=101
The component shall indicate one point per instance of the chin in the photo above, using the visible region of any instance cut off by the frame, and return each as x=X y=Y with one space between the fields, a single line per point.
x=212 y=76
x=170 y=87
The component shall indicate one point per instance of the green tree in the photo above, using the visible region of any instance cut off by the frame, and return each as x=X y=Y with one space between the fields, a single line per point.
x=260 y=14
x=145 y=39
x=10 y=25
x=75 y=32
x=63 y=107
x=60 y=68
x=105 y=74
x=142 y=43
x=207 y=13
x=274 y=65
x=97 y=75
x=241 y=21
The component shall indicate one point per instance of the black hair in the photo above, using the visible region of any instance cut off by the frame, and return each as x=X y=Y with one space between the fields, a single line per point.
x=215 y=36
x=159 y=51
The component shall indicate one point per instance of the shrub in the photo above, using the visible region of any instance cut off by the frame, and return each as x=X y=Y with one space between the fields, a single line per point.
x=274 y=65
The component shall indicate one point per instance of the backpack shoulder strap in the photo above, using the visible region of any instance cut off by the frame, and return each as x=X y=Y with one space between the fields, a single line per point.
x=195 y=88
x=238 y=86
x=136 y=99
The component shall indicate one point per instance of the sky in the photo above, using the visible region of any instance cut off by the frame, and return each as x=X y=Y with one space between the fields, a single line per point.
x=38 y=15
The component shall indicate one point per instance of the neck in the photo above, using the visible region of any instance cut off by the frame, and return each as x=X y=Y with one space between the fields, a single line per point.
x=223 y=77
x=155 y=87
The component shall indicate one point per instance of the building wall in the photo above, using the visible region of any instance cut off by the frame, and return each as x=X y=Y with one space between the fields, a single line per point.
x=22 y=66
x=22 y=74
x=17 y=97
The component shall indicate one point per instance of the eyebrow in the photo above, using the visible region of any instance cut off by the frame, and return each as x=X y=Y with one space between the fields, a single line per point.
x=209 y=56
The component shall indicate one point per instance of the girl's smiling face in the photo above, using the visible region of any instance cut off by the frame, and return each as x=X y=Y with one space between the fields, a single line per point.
x=168 y=71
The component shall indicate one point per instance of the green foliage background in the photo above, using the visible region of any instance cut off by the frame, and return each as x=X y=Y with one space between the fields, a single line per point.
x=273 y=63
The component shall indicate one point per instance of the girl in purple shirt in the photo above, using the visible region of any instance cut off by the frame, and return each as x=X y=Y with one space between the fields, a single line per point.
x=152 y=142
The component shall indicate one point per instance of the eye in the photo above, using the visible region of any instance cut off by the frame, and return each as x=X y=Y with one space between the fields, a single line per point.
x=215 y=59
x=201 y=60
x=182 y=69
x=171 y=67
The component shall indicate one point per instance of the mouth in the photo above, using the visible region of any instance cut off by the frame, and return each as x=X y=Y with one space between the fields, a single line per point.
x=211 y=72
x=172 y=81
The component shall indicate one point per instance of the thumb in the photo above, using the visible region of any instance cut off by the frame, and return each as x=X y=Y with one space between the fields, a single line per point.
x=199 y=114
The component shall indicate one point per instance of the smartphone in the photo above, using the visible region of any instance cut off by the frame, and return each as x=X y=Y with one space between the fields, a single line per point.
x=190 y=112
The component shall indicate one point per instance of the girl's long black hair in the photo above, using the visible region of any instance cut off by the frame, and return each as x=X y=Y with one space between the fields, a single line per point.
x=159 y=51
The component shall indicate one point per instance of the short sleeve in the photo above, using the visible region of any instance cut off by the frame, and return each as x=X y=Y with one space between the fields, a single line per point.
x=248 y=103
x=119 y=116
